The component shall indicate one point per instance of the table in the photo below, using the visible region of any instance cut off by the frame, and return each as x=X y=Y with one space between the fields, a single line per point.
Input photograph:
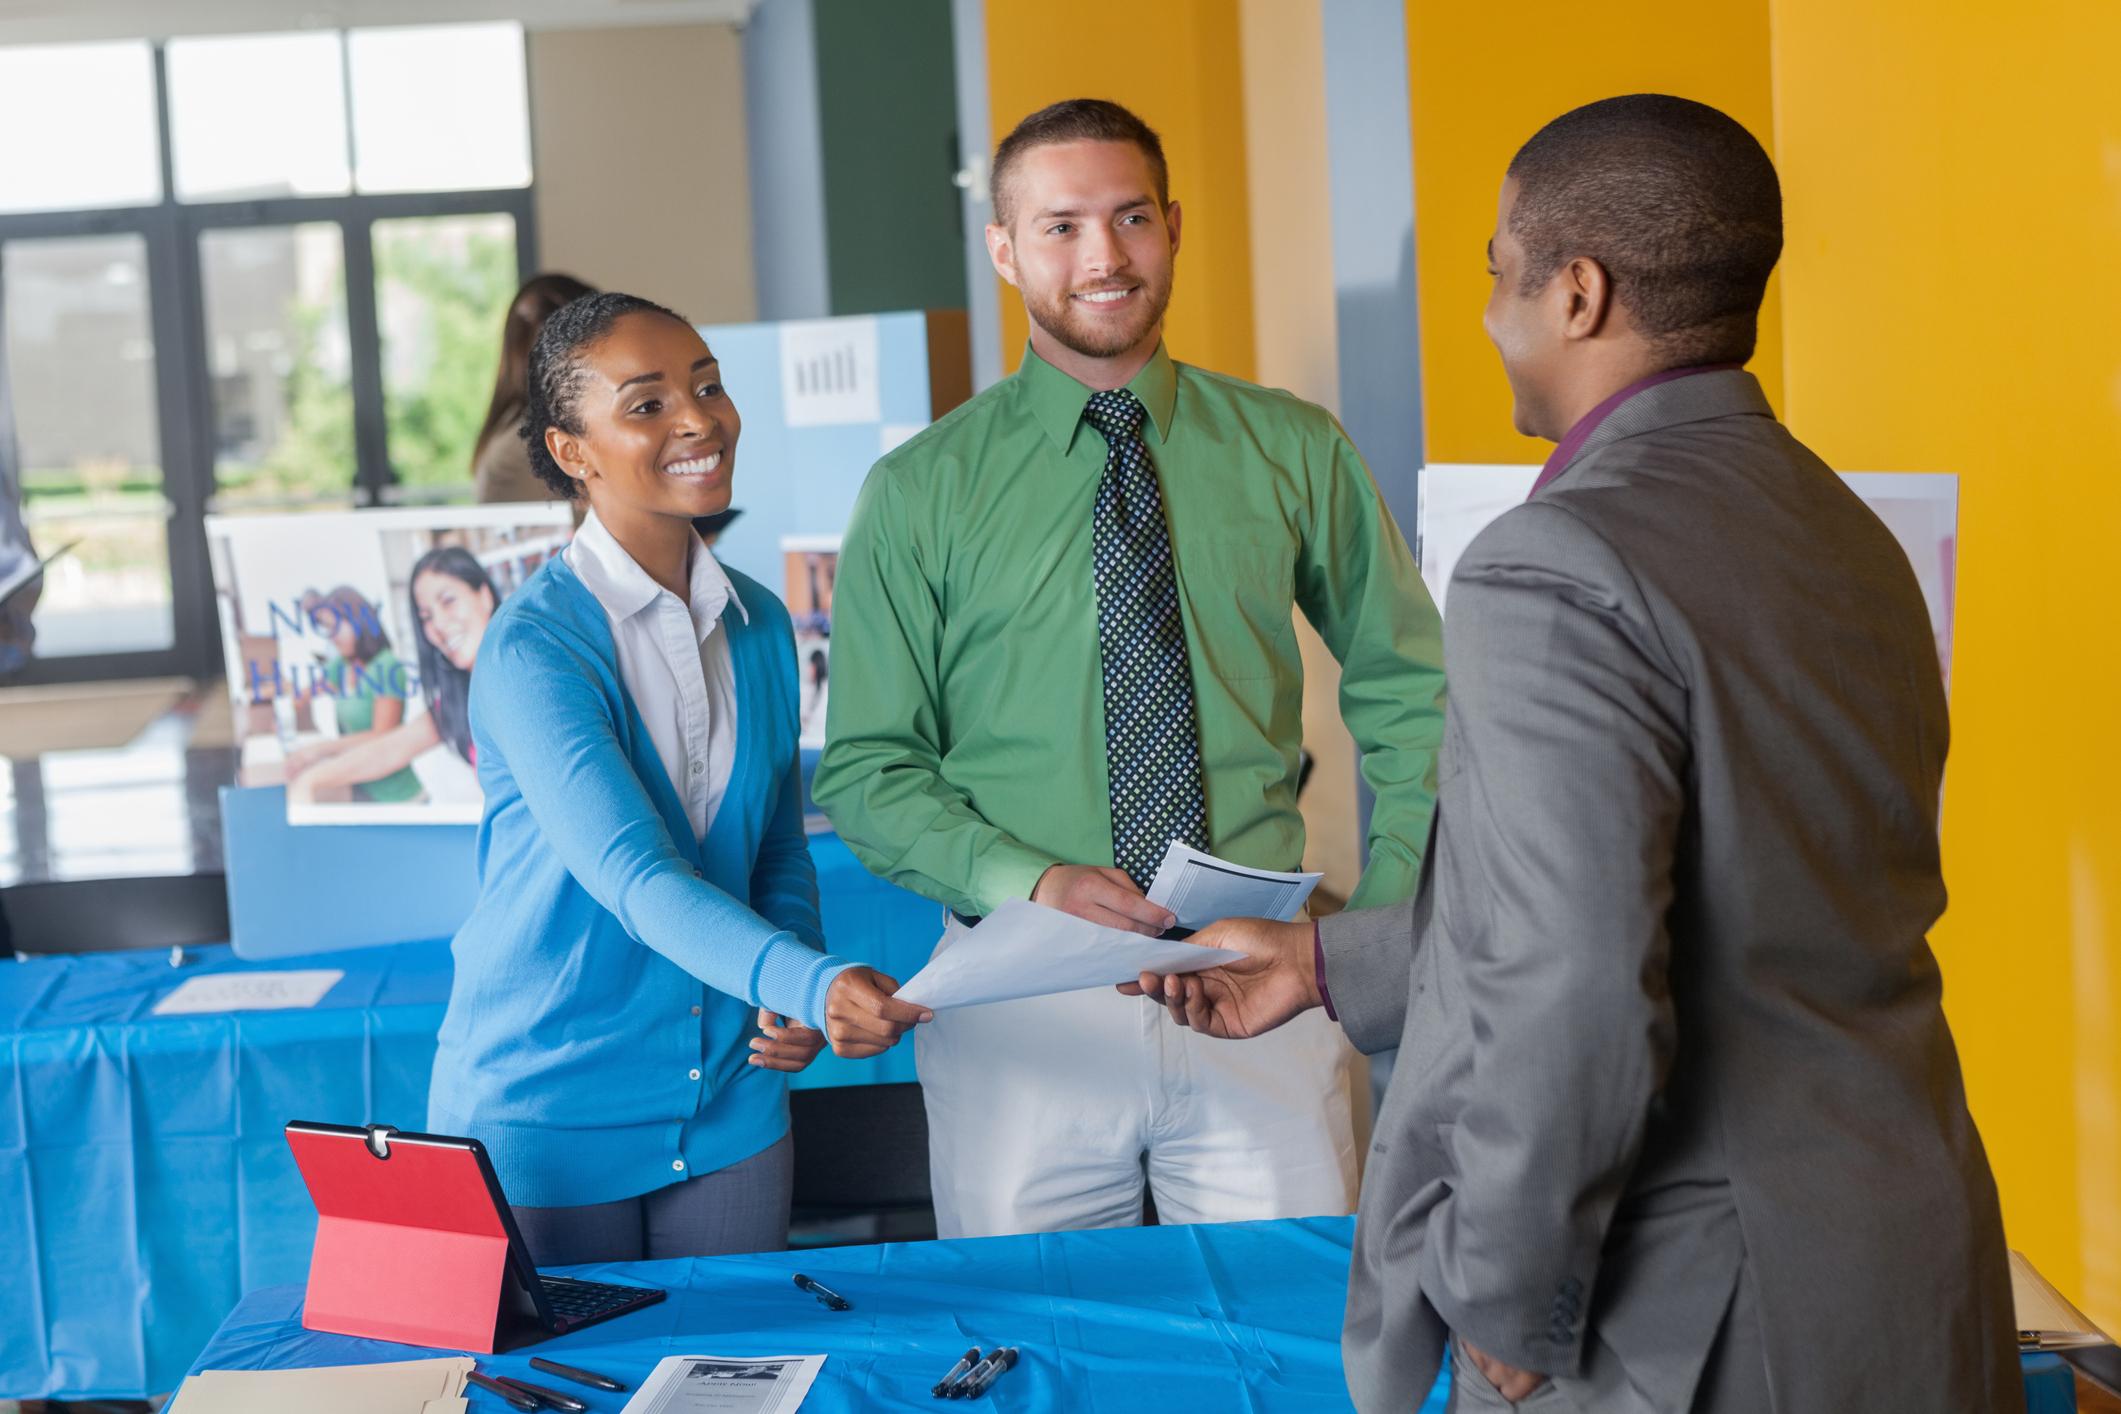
x=144 y=1182
x=1221 y=1317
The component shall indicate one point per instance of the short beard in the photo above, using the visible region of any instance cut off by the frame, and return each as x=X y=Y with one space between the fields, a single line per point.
x=1063 y=319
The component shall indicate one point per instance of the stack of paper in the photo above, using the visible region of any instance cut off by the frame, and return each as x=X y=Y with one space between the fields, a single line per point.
x=401 y=1387
x=1202 y=889
x=2046 y=1317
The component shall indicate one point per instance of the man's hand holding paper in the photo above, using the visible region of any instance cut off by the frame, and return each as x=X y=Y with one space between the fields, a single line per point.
x=1272 y=979
x=1025 y=949
x=1102 y=895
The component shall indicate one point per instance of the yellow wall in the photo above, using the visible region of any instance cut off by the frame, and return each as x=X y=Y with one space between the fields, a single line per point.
x=1296 y=322
x=1952 y=177
x=1479 y=88
x=1174 y=62
x=1949 y=300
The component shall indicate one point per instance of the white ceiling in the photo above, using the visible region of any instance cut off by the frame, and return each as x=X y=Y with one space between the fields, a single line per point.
x=59 y=21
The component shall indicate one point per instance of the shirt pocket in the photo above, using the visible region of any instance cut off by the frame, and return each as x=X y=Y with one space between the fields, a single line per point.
x=1242 y=597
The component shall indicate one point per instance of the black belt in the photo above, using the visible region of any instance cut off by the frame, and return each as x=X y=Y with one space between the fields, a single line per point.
x=970 y=922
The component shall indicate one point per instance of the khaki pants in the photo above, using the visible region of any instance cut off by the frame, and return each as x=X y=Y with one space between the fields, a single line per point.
x=1051 y=1113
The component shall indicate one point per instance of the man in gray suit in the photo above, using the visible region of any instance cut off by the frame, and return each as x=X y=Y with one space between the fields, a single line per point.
x=1677 y=1122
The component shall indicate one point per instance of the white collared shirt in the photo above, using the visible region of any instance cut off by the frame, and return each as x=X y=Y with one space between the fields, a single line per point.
x=674 y=660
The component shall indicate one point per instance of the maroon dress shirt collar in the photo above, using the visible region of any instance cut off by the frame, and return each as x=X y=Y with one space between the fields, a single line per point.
x=1565 y=451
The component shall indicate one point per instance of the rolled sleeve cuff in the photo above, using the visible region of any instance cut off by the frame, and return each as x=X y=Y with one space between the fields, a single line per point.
x=1009 y=871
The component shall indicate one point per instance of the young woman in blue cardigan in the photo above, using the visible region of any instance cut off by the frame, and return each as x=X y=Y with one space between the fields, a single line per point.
x=645 y=892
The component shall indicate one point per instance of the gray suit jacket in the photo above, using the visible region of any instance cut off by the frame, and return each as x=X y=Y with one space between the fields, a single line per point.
x=1673 y=1076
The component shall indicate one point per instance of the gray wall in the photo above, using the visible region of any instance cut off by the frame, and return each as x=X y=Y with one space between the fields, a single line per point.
x=786 y=147
x=1371 y=165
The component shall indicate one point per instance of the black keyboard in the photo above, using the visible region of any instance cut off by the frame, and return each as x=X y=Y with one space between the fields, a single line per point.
x=576 y=1303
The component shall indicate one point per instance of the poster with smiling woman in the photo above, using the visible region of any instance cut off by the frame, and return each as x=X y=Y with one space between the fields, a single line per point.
x=350 y=640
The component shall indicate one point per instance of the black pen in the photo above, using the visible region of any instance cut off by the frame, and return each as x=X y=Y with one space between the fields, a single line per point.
x=581 y=1377
x=974 y=1388
x=822 y=1292
x=964 y=1386
x=493 y=1386
x=971 y=1359
x=552 y=1398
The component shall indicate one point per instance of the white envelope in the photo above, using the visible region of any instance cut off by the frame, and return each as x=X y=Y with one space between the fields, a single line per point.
x=1024 y=949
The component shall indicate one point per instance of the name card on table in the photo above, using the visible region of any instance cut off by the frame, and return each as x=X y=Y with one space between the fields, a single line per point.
x=249 y=991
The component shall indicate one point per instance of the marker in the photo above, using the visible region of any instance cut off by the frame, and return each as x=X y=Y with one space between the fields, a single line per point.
x=976 y=1384
x=972 y=1382
x=825 y=1294
x=493 y=1386
x=971 y=1359
x=551 y=1398
x=964 y=1382
x=581 y=1377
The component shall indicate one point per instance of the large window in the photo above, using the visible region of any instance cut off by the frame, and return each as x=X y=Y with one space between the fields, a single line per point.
x=305 y=311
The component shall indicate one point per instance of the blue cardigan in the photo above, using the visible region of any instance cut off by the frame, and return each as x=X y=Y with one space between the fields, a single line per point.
x=607 y=979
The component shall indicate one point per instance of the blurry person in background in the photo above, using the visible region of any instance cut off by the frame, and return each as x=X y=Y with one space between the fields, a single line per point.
x=366 y=685
x=500 y=464
x=23 y=577
x=452 y=601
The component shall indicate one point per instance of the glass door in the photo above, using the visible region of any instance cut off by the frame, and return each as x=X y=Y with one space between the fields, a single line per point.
x=81 y=375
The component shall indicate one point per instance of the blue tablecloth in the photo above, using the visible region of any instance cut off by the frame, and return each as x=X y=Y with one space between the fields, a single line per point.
x=1221 y=1317
x=144 y=1182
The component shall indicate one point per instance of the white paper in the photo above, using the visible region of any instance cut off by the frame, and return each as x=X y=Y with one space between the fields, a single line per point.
x=1920 y=508
x=893 y=435
x=723 y=1384
x=397 y=1387
x=829 y=372
x=249 y=991
x=1024 y=949
x=1202 y=889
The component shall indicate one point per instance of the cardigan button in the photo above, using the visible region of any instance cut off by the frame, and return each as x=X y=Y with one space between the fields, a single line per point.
x=695 y=1011
x=678 y=1164
x=692 y=1074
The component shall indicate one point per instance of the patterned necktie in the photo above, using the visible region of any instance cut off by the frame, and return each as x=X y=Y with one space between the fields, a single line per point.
x=1152 y=746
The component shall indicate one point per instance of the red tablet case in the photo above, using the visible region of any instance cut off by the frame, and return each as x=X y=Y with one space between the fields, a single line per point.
x=410 y=1247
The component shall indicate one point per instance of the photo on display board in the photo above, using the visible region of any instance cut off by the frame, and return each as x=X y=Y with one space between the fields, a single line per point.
x=1920 y=508
x=810 y=563
x=350 y=639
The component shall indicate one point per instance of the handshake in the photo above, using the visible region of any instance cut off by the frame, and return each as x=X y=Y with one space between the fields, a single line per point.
x=1277 y=980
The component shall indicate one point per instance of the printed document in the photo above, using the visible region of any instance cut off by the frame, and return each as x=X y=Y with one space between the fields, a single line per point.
x=250 y=991
x=718 y=1384
x=1025 y=949
x=1202 y=889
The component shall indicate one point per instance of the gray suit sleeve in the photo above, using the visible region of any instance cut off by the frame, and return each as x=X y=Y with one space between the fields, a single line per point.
x=1573 y=719
x=1369 y=956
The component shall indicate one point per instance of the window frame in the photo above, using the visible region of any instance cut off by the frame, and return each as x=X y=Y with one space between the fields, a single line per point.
x=171 y=231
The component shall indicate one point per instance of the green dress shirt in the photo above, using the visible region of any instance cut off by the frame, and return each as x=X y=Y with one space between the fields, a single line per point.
x=965 y=736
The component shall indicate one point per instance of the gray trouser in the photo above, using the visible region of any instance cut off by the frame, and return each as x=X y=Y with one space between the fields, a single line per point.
x=742 y=1208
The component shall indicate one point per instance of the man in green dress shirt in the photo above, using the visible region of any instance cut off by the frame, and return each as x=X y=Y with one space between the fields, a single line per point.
x=1063 y=639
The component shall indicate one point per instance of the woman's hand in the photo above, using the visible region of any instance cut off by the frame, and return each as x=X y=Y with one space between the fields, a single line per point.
x=863 y=1019
x=785 y=1044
